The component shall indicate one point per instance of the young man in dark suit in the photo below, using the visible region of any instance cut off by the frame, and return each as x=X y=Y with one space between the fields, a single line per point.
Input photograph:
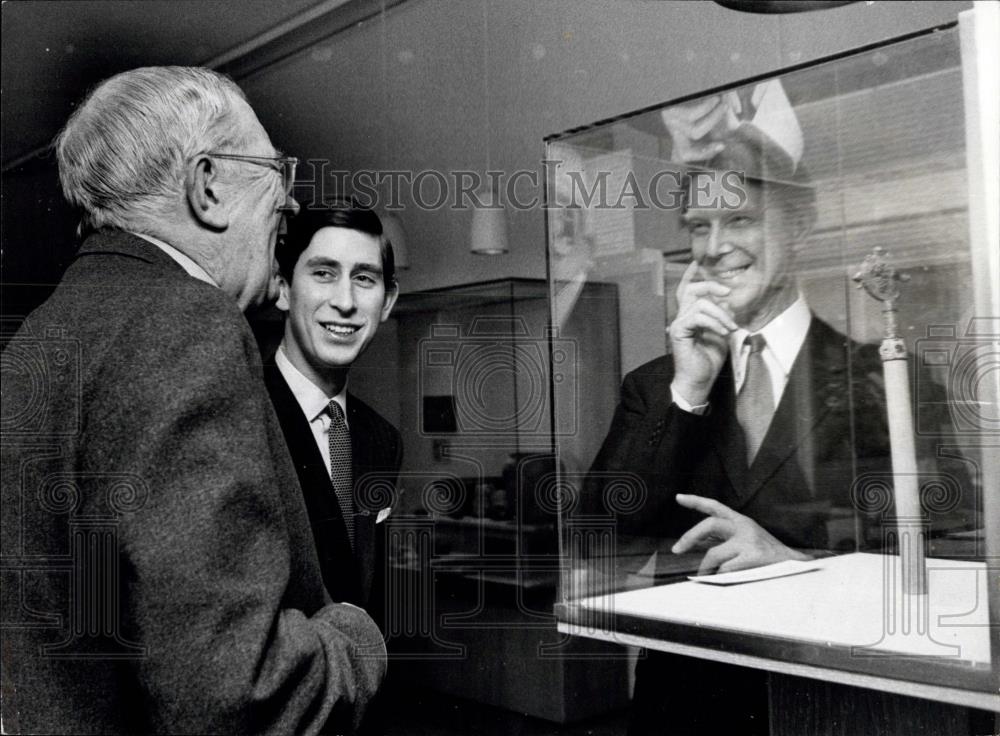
x=337 y=285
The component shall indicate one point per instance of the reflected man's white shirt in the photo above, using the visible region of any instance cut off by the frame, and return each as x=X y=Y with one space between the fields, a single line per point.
x=784 y=334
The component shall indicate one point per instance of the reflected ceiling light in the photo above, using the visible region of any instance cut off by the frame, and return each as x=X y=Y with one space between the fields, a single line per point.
x=781 y=6
x=489 y=223
x=489 y=226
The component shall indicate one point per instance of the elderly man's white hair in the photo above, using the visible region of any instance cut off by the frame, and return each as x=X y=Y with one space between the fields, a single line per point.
x=122 y=153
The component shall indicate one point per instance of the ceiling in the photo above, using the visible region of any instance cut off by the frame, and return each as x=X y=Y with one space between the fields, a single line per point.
x=53 y=51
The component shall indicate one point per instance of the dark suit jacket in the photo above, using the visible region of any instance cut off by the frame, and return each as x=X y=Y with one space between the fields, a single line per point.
x=377 y=452
x=159 y=571
x=829 y=430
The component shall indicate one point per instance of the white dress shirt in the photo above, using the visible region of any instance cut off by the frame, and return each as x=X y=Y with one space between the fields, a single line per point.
x=784 y=335
x=182 y=260
x=313 y=402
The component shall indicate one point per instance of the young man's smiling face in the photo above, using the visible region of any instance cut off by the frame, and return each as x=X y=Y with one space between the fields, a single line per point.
x=335 y=302
x=750 y=250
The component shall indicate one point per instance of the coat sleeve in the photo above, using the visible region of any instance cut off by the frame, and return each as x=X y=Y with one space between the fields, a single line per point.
x=210 y=559
x=649 y=446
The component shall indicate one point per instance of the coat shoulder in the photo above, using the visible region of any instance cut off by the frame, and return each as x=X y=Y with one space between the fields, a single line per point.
x=654 y=375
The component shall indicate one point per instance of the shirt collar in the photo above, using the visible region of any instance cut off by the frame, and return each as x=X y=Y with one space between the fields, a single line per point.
x=784 y=334
x=311 y=397
x=184 y=261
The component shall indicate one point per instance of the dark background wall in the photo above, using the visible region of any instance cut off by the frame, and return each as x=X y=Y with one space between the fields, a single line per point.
x=429 y=84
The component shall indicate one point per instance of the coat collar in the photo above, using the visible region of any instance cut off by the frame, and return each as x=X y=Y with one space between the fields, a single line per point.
x=119 y=242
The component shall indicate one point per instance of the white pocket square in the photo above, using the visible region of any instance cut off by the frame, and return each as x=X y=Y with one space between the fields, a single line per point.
x=383 y=514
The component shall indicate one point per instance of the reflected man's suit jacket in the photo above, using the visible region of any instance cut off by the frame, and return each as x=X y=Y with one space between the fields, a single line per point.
x=829 y=430
x=377 y=452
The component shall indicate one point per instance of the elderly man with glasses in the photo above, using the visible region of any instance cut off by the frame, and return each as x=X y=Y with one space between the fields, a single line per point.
x=162 y=572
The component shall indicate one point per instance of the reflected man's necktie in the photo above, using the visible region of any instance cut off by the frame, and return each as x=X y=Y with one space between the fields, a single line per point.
x=755 y=402
x=340 y=466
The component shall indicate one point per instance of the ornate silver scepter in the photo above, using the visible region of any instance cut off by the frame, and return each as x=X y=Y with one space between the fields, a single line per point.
x=881 y=281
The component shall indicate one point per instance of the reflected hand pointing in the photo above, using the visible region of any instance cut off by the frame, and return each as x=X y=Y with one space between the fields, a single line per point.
x=733 y=541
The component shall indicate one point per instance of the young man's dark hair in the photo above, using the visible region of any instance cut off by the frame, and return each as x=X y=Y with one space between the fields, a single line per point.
x=344 y=213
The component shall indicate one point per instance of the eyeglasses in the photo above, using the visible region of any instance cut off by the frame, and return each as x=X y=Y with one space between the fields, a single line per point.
x=285 y=166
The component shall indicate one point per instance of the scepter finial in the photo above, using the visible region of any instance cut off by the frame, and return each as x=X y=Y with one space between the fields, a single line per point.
x=881 y=281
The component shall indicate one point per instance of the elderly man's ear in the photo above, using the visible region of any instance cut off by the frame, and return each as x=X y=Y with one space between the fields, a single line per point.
x=201 y=185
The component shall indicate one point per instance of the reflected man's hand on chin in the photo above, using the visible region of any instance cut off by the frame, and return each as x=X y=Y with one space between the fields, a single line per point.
x=733 y=541
x=698 y=335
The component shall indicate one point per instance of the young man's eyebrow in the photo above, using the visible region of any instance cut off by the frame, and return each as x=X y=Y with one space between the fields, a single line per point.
x=325 y=261
x=372 y=267
x=322 y=261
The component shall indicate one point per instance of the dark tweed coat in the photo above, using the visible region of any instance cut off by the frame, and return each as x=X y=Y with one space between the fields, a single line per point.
x=158 y=567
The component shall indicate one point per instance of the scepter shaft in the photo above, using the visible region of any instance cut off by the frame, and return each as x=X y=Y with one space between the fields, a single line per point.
x=880 y=281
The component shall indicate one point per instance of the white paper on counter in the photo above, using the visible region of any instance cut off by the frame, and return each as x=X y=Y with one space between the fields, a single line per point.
x=767 y=572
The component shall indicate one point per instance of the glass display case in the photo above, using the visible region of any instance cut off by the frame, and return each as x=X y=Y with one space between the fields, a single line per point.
x=801 y=475
x=467 y=373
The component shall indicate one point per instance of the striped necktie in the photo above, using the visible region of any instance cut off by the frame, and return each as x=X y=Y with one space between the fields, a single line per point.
x=755 y=402
x=341 y=472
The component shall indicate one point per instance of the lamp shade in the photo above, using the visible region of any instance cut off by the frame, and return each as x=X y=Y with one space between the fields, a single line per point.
x=392 y=229
x=489 y=227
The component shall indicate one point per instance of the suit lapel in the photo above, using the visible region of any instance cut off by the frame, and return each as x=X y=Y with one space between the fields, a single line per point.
x=320 y=497
x=365 y=438
x=728 y=436
x=816 y=376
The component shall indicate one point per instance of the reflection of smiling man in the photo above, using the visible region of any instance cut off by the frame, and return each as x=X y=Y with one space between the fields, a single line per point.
x=698 y=423
x=747 y=249
x=757 y=424
x=745 y=355
x=741 y=313
x=337 y=285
